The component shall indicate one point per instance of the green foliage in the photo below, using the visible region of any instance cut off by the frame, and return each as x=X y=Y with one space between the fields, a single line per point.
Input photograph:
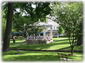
x=70 y=16
x=60 y=30
x=42 y=9
x=31 y=30
x=34 y=14
x=19 y=22
x=31 y=14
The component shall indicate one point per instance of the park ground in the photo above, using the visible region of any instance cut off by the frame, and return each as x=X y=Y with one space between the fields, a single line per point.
x=61 y=43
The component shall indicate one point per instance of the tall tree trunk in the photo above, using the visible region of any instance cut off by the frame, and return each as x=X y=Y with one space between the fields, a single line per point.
x=73 y=42
x=80 y=40
x=80 y=35
x=6 y=39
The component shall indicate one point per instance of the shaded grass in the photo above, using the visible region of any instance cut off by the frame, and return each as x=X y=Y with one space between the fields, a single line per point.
x=37 y=56
x=58 y=43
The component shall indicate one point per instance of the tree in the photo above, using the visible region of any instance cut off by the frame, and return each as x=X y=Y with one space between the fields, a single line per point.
x=79 y=34
x=34 y=14
x=70 y=16
x=6 y=39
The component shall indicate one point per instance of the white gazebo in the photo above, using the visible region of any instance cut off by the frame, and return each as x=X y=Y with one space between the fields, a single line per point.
x=43 y=37
x=46 y=35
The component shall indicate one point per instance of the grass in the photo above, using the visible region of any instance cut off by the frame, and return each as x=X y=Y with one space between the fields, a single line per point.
x=30 y=56
x=58 y=43
x=37 y=56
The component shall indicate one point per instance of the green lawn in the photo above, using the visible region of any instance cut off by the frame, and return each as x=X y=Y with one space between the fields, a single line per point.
x=37 y=56
x=58 y=43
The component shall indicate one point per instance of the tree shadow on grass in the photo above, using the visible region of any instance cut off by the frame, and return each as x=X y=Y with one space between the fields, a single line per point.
x=39 y=46
x=14 y=52
x=37 y=56
x=60 y=40
x=33 y=58
x=23 y=45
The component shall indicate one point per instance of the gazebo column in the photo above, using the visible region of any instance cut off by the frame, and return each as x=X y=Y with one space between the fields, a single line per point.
x=44 y=35
x=34 y=36
x=51 y=32
x=39 y=35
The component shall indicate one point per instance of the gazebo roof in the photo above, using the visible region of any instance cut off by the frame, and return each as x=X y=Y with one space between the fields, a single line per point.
x=48 y=23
